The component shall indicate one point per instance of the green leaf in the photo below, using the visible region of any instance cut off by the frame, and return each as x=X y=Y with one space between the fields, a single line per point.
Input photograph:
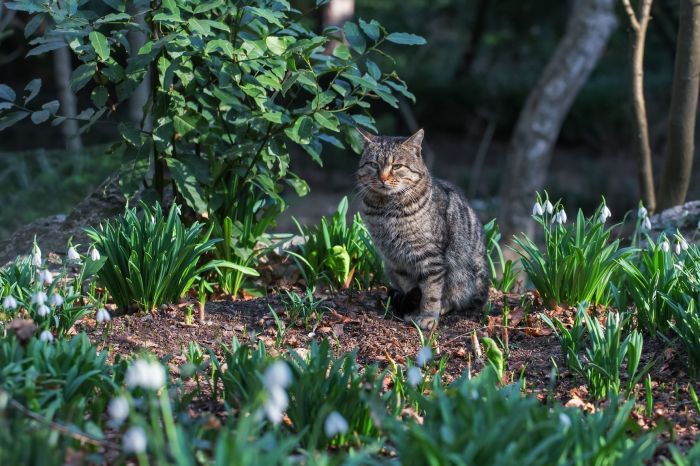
x=33 y=89
x=81 y=76
x=52 y=107
x=354 y=37
x=114 y=18
x=208 y=6
x=198 y=27
x=187 y=185
x=341 y=51
x=33 y=25
x=6 y=93
x=302 y=130
x=99 y=96
x=220 y=44
x=40 y=116
x=11 y=118
x=327 y=120
x=130 y=133
x=100 y=44
x=405 y=38
x=277 y=45
x=371 y=28
x=184 y=125
x=47 y=47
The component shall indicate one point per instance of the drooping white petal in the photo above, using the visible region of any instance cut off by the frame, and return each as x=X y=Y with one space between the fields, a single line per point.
x=548 y=207
x=134 y=440
x=46 y=336
x=9 y=303
x=94 y=254
x=118 y=409
x=414 y=376
x=277 y=375
x=424 y=356
x=56 y=300
x=335 y=424
x=73 y=255
x=43 y=310
x=102 y=315
x=537 y=210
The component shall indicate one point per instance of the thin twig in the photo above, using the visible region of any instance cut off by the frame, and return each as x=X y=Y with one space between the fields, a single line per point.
x=80 y=436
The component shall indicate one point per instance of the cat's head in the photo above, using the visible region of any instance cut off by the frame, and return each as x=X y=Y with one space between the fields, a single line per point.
x=391 y=165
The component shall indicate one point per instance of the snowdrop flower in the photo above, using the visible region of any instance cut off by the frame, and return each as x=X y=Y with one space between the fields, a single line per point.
x=335 y=424
x=46 y=277
x=560 y=217
x=678 y=248
x=537 y=209
x=134 y=440
x=275 y=379
x=424 y=356
x=145 y=374
x=548 y=207
x=642 y=212
x=56 y=300
x=276 y=404
x=684 y=244
x=94 y=254
x=414 y=376
x=277 y=375
x=565 y=421
x=73 y=255
x=39 y=298
x=43 y=310
x=118 y=409
x=9 y=303
x=665 y=246
x=646 y=224
x=46 y=336
x=36 y=256
x=604 y=214
x=102 y=315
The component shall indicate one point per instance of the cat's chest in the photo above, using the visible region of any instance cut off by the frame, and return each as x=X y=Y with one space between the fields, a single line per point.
x=397 y=238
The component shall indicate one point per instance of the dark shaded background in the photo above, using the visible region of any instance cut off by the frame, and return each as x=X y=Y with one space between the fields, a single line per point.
x=482 y=59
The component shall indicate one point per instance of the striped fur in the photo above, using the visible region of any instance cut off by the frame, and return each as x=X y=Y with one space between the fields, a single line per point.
x=428 y=235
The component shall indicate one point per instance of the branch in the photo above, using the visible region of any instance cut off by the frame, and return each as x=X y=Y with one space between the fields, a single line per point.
x=80 y=436
x=634 y=22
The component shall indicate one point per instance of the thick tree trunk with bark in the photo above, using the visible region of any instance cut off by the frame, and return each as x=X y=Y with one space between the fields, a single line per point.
x=141 y=94
x=639 y=22
x=589 y=27
x=62 y=67
x=684 y=100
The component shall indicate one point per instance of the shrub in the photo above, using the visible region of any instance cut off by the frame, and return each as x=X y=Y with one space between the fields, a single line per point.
x=233 y=85
x=686 y=325
x=152 y=259
x=472 y=422
x=578 y=260
x=338 y=253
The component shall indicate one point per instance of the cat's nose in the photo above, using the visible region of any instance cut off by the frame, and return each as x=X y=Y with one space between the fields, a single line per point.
x=383 y=176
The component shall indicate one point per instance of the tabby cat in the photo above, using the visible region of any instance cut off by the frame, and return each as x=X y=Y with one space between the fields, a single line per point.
x=431 y=240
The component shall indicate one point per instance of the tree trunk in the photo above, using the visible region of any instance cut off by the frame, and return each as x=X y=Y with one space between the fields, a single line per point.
x=639 y=23
x=335 y=13
x=141 y=94
x=589 y=27
x=684 y=100
x=62 y=66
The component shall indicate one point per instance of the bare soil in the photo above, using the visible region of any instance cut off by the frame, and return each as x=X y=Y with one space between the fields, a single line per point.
x=359 y=321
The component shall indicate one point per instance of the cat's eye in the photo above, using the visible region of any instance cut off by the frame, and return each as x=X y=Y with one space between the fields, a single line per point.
x=396 y=166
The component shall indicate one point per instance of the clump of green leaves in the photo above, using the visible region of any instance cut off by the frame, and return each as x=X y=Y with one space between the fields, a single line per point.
x=578 y=259
x=151 y=259
x=338 y=253
x=473 y=422
x=504 y=273
x=305 y=308
x=597 y=352
x=686 y=325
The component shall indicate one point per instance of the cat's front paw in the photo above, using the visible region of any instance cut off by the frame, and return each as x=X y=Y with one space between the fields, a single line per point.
x=426 y=321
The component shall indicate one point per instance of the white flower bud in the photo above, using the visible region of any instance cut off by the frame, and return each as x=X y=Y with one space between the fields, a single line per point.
x=145 y=374
x=414 y=376
x=102 y=315
x=665 y=246
x=646 y=224
x=605 y=214
x=36 y=259
x=335 y=424
x=118 y=409
x=642 y=212
x=134 y=440
x=548 y=207
x=73 y=255
x=275 y=404
x=39 y=297
x=9 y=303
x=678 y=248
x=424 y=356
x=46 y=277
x=46 y=336
x=277 y=375
x=684 y=244
x=56 y=300
x=43 y=310
x=94 y=254
x=537 y=210
x=564 y=421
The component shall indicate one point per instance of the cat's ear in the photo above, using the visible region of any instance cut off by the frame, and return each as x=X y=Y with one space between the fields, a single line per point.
x=416 y=140
x=369 y=138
